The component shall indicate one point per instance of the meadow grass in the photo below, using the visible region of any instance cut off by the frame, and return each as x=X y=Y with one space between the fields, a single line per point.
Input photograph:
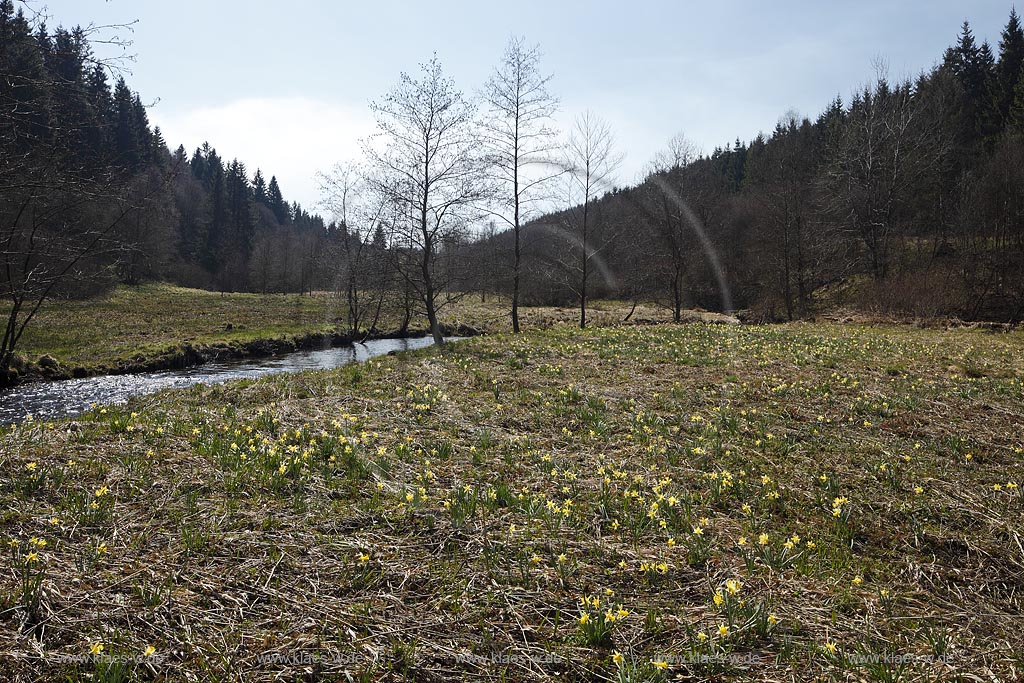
x=798 y=502
x=141 y=321
x=145 y=321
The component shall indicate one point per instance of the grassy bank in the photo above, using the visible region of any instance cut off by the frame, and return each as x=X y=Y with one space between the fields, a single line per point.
x=135 y=325
x=633 y=503
x=143 y=321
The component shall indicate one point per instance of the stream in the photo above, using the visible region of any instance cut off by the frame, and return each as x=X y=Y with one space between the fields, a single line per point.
x=66 y=398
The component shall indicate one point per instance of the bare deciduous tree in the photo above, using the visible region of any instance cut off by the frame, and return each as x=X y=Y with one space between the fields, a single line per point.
x=679 y=152
x=591 y=161
x=358 y=213
x=57 y=232
x=891 y=140
x=780 y=187
x=428 y=164
x=668 y=216
x=521 y=142
x=62 y=218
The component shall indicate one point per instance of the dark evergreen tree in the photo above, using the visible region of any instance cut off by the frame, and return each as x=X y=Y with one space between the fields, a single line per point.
x=1011 y=62
x=276 y=201
x=62 y=125
x=380 y=239
x=1016 y=115
x=68 y=101
x=125 y=127
x=259 y=188
x=198 y=165
x=214 y=254
x=143 y=136
x=23 y=96
x=989 y=121
x=159 y=154
x=101 y=107
x=240 y=206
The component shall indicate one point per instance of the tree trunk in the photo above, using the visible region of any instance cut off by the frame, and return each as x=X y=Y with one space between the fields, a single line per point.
x=586 y=263
x=428 y=281
x=515 y=277
x=631 y=311
x=435 y=328
x=515 y=229
x=677 y=292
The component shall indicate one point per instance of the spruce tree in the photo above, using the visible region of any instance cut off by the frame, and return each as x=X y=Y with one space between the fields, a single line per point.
x=276 y=202
x=974 y=68
x=126 y=138
x=24 y=76
x=1016 y=114
x=215 y=253
x=180 y=157
x=963 y=58
x=240 y=210
x=160 y=153
x=198 y=165
x=101 y=106
x=380 y=239
x=988 y=121
x=69 y=104
x=259 y=188
x=1011 y=61
x=143 y=136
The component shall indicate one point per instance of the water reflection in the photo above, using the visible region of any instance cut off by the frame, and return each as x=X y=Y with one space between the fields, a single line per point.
x=52 y=400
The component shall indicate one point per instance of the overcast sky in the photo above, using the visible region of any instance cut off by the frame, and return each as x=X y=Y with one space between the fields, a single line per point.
x=284 y=86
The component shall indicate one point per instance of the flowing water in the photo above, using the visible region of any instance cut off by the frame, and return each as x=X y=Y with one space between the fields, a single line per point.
x=65 y=398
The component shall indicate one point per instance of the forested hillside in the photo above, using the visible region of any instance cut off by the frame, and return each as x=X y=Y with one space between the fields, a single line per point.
x=906 y=197
x=71 y=140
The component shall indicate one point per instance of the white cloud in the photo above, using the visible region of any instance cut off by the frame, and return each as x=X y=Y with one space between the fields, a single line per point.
x=290 y=137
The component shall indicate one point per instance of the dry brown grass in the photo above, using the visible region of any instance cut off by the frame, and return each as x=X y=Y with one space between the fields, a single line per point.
x=354 y=545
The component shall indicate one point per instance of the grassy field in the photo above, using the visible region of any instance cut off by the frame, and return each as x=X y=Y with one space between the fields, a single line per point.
x=144 y=321
x=791 y=503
